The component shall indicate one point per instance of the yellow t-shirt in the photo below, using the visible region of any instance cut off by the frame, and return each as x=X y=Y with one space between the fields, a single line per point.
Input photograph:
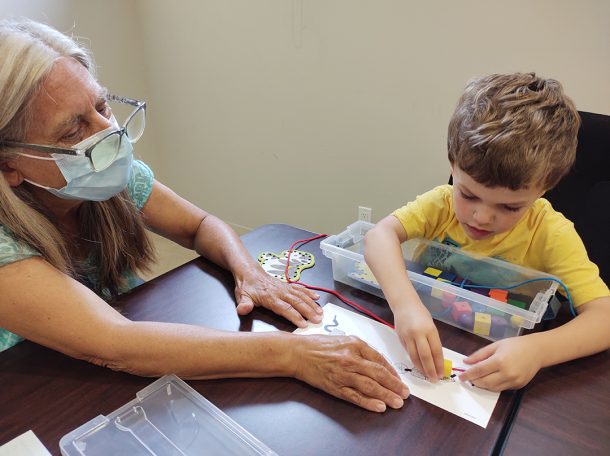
x=543 y=240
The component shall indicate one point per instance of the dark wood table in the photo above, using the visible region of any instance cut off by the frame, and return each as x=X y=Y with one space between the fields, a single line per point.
x=53 y=394
x=565 y=409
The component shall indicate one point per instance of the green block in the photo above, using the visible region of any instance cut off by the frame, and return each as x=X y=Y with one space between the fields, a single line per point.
x=516 y=303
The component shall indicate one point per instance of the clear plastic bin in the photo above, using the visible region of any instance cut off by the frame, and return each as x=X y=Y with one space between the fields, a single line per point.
x=167 y=418
x=448 y=288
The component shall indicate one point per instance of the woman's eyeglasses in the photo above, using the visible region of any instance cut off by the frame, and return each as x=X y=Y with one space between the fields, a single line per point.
x=104 y=151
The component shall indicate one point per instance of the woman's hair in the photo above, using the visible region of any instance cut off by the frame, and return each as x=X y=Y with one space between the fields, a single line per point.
x=514 y=131
x=113 y=229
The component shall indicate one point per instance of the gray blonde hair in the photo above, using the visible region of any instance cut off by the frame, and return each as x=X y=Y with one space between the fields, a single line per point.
x=514 y=130
x=113 y=229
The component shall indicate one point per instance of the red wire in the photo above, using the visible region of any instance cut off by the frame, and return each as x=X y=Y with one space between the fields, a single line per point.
x=333 y=292
x=326 y=290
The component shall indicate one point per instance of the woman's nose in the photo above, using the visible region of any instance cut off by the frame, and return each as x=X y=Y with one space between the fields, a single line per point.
x=100 y=122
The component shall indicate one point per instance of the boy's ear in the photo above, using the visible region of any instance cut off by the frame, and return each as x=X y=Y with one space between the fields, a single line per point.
x=542 y=191
x=12 y=175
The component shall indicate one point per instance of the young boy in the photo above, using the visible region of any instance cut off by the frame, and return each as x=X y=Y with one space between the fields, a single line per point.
x=511 y=138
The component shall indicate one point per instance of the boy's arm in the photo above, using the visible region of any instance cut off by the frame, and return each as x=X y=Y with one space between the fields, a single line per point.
x=511 y=363
x=414 y=324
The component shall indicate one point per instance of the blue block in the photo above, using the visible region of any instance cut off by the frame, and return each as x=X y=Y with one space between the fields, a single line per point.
x=466 y=321
x=476 y=307
x=448 y=276
x=498 y=327
x=413 y=266
x=481 y=291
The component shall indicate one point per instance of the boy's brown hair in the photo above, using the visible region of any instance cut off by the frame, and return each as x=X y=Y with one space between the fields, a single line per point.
x=515 y=130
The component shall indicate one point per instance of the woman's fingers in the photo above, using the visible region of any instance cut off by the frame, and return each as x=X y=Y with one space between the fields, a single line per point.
x=291 y=301
x=349 y=369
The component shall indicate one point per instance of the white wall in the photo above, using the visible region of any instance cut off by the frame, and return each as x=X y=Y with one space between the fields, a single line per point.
x=298 y=111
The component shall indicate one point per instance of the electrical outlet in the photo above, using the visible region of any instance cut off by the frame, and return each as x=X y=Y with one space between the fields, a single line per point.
x=365 y=213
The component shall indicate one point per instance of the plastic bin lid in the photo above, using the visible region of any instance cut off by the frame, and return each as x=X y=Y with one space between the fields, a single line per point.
x=166 y=418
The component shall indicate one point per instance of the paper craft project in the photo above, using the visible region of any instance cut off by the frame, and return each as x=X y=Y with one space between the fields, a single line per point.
x=364 y=274
x=275 y=264
x=462 y=399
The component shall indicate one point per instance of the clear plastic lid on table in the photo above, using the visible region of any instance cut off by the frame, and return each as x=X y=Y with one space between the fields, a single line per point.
x=166 y=418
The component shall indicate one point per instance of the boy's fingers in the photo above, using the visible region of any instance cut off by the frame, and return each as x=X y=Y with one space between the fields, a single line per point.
x=478 y=371
x=491 y=382
x=481 y=354
x=425 y=355
x=412 y=351
x=437 y=354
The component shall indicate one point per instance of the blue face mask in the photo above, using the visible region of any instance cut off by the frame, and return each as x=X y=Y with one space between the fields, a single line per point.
x=85 y=184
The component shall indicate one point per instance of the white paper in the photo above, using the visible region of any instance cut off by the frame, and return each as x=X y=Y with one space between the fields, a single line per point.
x=26 y=444
x=460 y=398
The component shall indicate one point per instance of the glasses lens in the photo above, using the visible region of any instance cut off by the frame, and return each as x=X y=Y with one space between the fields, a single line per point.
x=135 y=125
x=104 y=152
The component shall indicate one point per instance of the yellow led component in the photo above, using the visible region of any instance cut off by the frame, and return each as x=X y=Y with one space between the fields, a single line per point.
x=448 y=366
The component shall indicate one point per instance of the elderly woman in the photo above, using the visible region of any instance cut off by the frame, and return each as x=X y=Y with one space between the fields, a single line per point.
x=74 y=209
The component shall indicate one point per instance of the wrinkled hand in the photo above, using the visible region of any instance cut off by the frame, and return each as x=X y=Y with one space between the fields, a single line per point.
x=506 y=364
x=349 y=369
x=418 y=334
x=293 y=302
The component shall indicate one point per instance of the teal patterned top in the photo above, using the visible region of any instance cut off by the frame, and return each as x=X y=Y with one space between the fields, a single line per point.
x=139 y=188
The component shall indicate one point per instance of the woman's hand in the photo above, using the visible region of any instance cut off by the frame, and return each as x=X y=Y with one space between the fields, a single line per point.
x=213 y=239
x=506 y=364
x=418 y=334
x=293 y=302
x=349 y=369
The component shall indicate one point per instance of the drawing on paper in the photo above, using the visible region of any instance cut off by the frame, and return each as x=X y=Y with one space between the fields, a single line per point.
x=403 y=369
x=335 y=331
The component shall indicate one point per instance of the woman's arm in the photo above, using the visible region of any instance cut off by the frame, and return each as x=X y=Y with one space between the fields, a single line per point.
x=46 y=306
x=177 y=219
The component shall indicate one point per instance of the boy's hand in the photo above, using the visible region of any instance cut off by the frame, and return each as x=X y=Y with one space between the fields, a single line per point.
x=419 y=336
x=505 y=364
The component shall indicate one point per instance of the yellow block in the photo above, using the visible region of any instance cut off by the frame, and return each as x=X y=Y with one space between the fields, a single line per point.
x=516 y=321
x=448 y=368
x=433 y=272
x=482 y=323
x=436 y=292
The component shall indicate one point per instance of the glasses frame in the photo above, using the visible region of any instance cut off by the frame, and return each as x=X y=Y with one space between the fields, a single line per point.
x=139 y=105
